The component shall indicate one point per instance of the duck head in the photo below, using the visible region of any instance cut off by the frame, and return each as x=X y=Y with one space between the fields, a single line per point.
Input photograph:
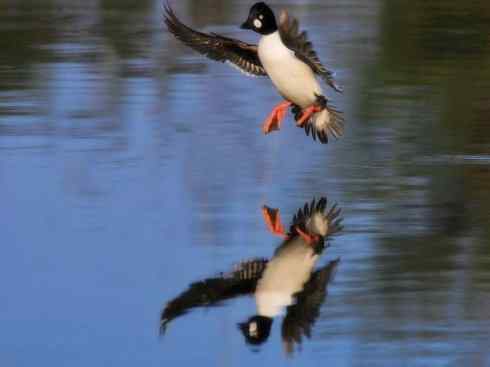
x=256 y=330
x=261 y=19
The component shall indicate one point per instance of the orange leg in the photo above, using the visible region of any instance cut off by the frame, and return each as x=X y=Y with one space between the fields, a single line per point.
x=310 y=239
x=273 y=221
x=307 y=113
x=274 y=120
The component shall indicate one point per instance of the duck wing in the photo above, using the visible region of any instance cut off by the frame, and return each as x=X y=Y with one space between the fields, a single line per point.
x=239 y=54
x=242 y=280
x=301 y=316
x=303 y=49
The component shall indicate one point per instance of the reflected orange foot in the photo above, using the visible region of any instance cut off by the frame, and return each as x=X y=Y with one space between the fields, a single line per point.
x=310 y=239
x=307 y=113
x=273 y=221
x=274 y=120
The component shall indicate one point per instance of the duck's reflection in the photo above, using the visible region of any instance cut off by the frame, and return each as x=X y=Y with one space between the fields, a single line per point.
x=287 y=281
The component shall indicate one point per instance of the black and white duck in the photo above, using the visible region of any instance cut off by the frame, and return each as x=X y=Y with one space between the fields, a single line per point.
x=285 y=55
x=288 y=281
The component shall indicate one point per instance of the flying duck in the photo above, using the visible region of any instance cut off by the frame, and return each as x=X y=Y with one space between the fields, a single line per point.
x=285 y=282
x=285 y=55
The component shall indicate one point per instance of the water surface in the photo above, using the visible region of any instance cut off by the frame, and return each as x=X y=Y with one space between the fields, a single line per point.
x=130 y=167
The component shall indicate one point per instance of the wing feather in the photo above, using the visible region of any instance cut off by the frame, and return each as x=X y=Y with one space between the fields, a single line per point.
x=303 y=49
x=302 y=315
x=242 y=55
x=209 y=292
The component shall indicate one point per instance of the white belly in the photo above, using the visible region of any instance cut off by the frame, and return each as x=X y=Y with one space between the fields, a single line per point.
x=293 y=79
x=284 y=276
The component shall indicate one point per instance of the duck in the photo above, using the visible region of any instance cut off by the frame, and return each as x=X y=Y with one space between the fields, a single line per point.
x=286 y=56
x=286 y=283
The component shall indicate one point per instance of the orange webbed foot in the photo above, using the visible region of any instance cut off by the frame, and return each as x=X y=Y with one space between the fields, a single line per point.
x=307 y=113
x=274 y=120
x=273 y=221
x=310 y=239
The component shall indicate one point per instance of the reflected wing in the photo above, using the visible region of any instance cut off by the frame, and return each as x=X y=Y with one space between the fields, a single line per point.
x=209 y=292
x=301 y=316
x=239 y=54
x=303 y=49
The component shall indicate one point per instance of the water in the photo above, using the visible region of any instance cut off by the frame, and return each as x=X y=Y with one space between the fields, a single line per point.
x=131 y=167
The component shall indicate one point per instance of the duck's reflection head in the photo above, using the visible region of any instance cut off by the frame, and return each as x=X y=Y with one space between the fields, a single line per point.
x=256 y=330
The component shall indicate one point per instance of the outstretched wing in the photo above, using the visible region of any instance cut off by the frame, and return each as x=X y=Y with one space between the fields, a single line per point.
x=239 y=54
x=209 y=292
x=301 y=316
x=303 y=49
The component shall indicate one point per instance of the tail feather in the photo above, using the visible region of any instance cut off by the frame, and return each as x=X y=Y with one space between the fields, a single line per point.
x=328 y=122
x=312 y=218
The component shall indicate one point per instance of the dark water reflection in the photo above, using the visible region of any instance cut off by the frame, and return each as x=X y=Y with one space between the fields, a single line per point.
x=131 y=167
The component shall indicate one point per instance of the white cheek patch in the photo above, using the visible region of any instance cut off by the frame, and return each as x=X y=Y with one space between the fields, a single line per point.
x=252 y=329
x=257 y=23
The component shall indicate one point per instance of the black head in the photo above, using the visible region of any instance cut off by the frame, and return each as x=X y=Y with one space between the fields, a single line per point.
x=256 y=330
x=261 y=19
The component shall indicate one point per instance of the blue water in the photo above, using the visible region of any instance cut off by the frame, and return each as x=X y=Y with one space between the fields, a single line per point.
x=130 y=167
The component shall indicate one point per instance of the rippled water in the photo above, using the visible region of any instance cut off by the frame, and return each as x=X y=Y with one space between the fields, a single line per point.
x=131 y=167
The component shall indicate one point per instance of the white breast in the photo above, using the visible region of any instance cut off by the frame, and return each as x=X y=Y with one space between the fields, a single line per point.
x=284 y=276
x=293 y=79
